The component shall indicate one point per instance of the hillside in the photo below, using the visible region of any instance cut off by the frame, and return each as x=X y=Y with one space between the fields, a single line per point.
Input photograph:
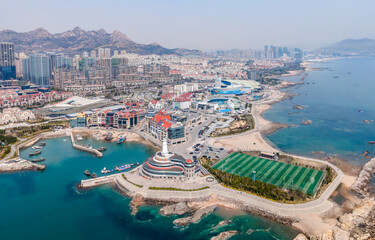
x=365 y=46
x=78 y=40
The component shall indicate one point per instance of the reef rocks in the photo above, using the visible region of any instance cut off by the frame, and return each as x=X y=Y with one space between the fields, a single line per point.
x=196 y=217
x=20 y=165
x=299 y=107
x=306 y=122
x=360 y=185
x=137 y=201
x=359 y=224
x=175 y=209
x=301 y=237
x=225 y=235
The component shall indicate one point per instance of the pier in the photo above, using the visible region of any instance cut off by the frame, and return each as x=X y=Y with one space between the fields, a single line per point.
x=83 y=148
x=94 y=182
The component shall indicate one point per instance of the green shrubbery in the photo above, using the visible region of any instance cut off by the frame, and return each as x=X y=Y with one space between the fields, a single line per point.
x=177 y=189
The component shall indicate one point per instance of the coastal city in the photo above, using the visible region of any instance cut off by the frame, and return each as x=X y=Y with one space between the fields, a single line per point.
x=203 y=144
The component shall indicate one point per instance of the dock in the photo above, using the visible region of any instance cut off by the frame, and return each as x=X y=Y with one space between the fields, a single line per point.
x=94 y=182
x=83 y=148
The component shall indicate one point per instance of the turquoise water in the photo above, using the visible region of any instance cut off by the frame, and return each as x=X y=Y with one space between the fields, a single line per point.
x=46 y=205
x=339 y=97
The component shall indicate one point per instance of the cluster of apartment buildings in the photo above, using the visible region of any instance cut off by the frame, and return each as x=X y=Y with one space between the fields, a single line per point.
x=15 y=115
x=107 y=118
x=16 y=98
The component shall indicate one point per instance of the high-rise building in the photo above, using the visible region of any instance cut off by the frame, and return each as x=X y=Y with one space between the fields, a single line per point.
x=93 y=54
x=101 y=53
x=107 y=52
x=37 y=69
x=85 y=54
x=7 y=62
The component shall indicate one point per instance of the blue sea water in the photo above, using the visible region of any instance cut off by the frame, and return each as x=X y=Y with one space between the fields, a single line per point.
x=339 y=98
x=47 y=205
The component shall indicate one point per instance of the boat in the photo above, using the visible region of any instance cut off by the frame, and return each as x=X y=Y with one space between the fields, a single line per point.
x=93 y=175
x=122 y=139
x=102 y=149
x=37 y=147
x=105 y=170
x=38 y=160
x=87 y=172
x=123 y=167
x=35 y=153
x=65 y=140
x=43 y=144
x=79 y=138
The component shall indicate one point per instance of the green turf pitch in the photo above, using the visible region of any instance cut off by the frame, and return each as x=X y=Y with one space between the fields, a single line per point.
x=280 y=174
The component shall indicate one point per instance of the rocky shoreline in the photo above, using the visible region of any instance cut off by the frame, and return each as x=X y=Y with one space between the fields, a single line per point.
x=20 y=165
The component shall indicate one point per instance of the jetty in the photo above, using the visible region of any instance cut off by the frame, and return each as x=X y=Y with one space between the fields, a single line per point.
x=94 y=182
x=84 y=148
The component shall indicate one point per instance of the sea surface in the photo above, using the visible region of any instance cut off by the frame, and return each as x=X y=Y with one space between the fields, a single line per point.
x=47 y=205
x=338 y=98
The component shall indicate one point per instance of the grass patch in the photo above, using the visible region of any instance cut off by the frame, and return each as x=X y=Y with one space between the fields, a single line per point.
x=123 y=176
x=178 y=189
x=5 y=152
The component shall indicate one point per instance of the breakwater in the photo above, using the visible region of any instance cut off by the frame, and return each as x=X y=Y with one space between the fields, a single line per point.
x=84 y=148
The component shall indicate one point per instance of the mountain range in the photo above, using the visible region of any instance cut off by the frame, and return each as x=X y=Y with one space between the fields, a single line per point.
x=78 y=40
x=364 y=46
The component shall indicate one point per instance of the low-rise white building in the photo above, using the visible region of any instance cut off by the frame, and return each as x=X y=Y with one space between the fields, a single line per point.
x=14 y=115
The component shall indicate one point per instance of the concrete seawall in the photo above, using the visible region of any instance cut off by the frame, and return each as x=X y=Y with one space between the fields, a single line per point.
x=83 y=148
x=93 y=182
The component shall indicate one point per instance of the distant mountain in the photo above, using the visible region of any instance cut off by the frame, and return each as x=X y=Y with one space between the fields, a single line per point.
x=78 y=40
x=365 y=46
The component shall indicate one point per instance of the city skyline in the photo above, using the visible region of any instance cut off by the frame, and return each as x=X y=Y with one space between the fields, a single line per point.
x=219 y=24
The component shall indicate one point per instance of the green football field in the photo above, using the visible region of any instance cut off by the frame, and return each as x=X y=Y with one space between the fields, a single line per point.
x=280 y=174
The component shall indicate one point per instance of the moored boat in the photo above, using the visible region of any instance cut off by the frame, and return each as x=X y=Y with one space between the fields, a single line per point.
x=93 y=175
x=35 y=153
x=122 y=139
x=38 y=160
x=102 y=149
x=87 y=172
x=43 y=144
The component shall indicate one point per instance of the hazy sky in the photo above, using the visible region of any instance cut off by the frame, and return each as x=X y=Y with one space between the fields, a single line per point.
x=202 y=24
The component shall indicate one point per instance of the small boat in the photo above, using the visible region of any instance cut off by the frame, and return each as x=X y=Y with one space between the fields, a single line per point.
x=105 y=170
x=122 y=139
x=102 y=149
x=35 y=153
x=93 y=175
x=37 y=147
x=38 y=160
x=43 y=144
x=87 y=172
x=123 y=167
x=64 y=140
x=79 y=138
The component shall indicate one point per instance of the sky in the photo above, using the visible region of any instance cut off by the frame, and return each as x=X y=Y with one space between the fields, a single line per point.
x=202 y=24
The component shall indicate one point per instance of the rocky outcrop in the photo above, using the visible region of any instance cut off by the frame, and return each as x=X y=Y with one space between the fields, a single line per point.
x=225 y=235
x=196 y=217
x=175 y=209
x=359 y=224
x=360 y=185
x=224 y=223
x=301 y=237
x=137 y=201
x=306 y=122
x=20 y=165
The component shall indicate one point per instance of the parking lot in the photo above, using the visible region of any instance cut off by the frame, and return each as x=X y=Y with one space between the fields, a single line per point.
x=203 y=150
